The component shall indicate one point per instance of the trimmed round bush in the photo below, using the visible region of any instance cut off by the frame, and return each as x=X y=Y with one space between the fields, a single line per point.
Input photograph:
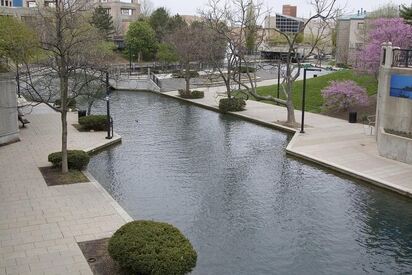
x=94 y=122
x=244 y=70
x=232 y=104
x=179 y=74
x=148 y=247
x=191 y=94
x=77 y=159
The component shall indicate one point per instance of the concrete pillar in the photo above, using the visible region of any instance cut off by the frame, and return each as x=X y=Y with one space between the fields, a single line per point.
x=9 y=129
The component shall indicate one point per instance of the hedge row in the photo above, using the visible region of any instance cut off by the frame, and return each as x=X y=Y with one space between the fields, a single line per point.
x=94 y=122
x=191 y=94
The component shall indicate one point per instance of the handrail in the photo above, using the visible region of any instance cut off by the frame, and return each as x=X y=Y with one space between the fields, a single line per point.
x=402 y=58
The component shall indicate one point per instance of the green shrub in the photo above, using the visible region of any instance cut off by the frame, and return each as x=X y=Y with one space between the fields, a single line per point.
x=191 y=94
x=180 y=74
x=148 y=247
x=71 y=103
x=232 y=104
x=94 y=122
x=76 y=159
x=244 y=70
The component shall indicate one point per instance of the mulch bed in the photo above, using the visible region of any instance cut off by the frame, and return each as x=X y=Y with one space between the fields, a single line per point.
x=53 y=176
x=98 y=257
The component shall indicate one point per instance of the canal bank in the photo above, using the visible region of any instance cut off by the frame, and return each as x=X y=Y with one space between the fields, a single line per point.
x=246 y=207
x=330 y=142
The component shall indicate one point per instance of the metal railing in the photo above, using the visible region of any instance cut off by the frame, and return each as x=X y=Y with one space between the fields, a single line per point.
x=156 y=80
x=402 y=58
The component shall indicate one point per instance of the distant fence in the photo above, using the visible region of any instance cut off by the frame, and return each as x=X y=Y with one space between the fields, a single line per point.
x=402 y=58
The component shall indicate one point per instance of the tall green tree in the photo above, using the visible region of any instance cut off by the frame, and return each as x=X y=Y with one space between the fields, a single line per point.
x=166 y=53
x=17 y=41
x=159 y=21
x=406 y=13
x=102 y=20
x=250 y=27
x=175 y=22
x=141 y=39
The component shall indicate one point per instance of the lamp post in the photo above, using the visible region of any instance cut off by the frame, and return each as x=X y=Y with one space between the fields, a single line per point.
x=18 y=81
x=302 y=125
x=130 y=60
x=278 y=81
x=109 y=136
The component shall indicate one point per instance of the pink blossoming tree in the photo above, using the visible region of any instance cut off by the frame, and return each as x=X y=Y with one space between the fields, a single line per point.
x=394 y=30
x=343 y=95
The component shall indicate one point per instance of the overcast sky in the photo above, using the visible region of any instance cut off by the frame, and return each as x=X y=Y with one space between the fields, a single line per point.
x=351 y=6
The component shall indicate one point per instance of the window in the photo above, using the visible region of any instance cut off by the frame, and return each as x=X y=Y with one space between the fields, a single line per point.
x=361 y=26
x=126 y=1
x=126 y=11
x=31 y=4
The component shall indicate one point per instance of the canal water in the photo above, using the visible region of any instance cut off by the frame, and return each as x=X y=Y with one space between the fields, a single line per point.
x=247 y=208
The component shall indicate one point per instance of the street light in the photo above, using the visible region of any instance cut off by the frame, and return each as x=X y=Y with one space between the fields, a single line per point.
x=109 y=136
x=279 y=64
x=302 y=125
x=18 y=81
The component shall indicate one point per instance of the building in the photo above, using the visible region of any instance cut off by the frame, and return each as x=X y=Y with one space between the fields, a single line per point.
x=289 y=10
x=285 y=22
x=350 y=35
x=123 y=13
x=6 y=3
x=189 y=19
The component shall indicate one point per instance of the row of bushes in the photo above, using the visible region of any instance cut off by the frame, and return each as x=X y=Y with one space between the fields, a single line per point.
x=182 y=74
x=71 y=103
x=77 y=159
x=191 y=94
x=94 y=122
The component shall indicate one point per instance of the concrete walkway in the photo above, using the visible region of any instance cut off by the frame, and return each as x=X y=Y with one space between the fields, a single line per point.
x=40 y=225
x=334 y=143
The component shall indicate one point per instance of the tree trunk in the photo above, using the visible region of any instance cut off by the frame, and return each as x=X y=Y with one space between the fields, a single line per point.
x=64 y=98
x=289 y=104
x=89 y=108
x=187 y=77
x=65 y=166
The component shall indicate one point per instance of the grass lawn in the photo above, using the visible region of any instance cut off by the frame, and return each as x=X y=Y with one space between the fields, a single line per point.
x=314 y=86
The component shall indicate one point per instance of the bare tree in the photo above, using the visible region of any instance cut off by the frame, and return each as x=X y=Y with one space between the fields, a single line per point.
x=189 y=42
x=324 y=12
x=230 y=21
x=72 y=59
x=234 y=15
x=146 y=8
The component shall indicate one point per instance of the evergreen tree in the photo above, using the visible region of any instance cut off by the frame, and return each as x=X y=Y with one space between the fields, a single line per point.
x=406 y=13
x=159 y=21
x=102 y=20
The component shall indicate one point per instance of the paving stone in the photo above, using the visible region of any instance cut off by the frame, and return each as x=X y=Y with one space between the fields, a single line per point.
x=40 y=225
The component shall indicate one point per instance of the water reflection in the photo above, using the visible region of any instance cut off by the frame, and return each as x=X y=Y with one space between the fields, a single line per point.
x=246 y=207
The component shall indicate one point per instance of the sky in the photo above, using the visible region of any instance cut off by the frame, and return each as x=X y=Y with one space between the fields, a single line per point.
x=186 y=7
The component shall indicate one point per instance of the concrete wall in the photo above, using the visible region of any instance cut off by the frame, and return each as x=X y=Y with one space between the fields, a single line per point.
x=8 y=110
x=393 y=113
